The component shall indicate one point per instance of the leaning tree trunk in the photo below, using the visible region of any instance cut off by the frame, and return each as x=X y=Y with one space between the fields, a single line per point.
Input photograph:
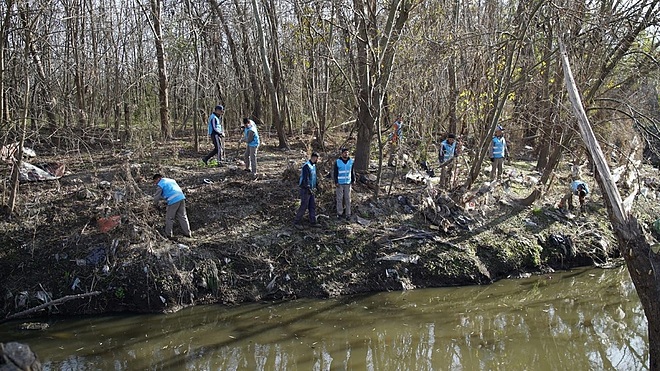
x=643 y=263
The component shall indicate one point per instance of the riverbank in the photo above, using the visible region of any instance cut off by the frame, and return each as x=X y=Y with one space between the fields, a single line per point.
x=63 y=242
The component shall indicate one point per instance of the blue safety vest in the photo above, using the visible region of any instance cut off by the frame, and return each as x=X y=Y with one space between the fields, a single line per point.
x=576 y=183
x=344 y=171
x=312 y=175
x=448 y=150
x=171 y=191
x=255 y=139
x=215 y=124
x=499 y=144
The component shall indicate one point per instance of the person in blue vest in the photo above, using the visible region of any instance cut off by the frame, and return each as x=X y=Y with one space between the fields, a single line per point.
x=577 y=188
x=447 y=153
x=497 y=151
x=169 y=190
x=251 y=137
x=308 y=185
x=343 y=176
x=216 y=131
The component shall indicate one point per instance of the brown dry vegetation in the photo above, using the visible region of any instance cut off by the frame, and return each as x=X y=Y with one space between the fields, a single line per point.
x=244 y=247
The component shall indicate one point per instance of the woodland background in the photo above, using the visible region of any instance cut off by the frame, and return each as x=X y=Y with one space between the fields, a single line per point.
x=138 y=71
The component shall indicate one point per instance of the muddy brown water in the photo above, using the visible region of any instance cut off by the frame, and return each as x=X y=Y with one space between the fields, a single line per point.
x=587 y=319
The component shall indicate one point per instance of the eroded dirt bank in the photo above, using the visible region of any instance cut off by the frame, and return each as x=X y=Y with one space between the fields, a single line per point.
x=245 y=249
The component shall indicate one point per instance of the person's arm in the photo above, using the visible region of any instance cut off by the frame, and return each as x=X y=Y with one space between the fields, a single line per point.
x=335 y=173
x=250 y=136
x=157 y=195
x=441 y=153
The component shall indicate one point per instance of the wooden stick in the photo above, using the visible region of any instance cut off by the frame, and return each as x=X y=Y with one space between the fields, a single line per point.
x=50 y=303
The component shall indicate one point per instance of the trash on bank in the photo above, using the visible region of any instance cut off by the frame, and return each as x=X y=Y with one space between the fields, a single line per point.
x=401 y=257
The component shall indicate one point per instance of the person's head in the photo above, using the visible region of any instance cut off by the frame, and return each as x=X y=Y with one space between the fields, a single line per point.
x=451 y=138
x=219 y=110
x=344 y=153
x=499 y=130
x=314 y=157
x=156 y=178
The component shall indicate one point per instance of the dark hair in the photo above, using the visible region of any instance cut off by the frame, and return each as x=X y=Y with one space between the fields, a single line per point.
x=156 y=176
x=451 y=136
x=245 y=120
x=314 y=154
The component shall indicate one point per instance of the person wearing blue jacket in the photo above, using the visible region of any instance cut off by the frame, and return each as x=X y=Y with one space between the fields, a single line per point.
x=216 y=130
x=343 y=176
x=497 y=151
x=308 y=185
x=251 y=137
x=577 y=188
x=447 y=152
x=169 y=190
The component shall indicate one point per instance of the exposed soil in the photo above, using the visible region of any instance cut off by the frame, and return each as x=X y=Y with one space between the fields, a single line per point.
x=244 y=247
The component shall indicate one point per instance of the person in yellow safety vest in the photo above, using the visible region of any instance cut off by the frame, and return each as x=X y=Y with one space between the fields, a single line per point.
x=343 y=176
x=497 y=151
x=396 y=134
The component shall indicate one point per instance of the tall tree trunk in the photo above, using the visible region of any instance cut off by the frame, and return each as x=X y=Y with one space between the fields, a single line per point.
x=375 y=60
x=4 y=31
x=256 y=108
x=163 y=83
x=643 y=263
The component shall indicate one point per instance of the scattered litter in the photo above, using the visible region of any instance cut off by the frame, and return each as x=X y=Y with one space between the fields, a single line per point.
x=283 y=234
x=31 y=173
x=208 y=181
x=400 y=257
x=33 y=326
x=389 y=272
x=530 y=223
x=363 y=221
x=76 y=284
x=109 y=223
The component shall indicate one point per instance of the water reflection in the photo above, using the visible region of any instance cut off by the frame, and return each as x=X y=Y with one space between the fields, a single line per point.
x=582 y=320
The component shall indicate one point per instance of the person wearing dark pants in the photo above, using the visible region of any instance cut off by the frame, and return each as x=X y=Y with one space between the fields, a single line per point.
x=216 y=131
x=169 y=190
x=307 y=185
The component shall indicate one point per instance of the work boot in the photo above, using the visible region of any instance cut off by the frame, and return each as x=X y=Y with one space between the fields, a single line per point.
x=298 y=226
x=205 y=161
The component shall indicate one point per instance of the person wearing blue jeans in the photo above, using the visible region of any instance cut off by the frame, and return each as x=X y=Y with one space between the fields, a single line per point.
x=307 y=184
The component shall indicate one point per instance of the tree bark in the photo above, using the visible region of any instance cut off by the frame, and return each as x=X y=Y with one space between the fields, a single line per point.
x=163 y=83
x=270 y=83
